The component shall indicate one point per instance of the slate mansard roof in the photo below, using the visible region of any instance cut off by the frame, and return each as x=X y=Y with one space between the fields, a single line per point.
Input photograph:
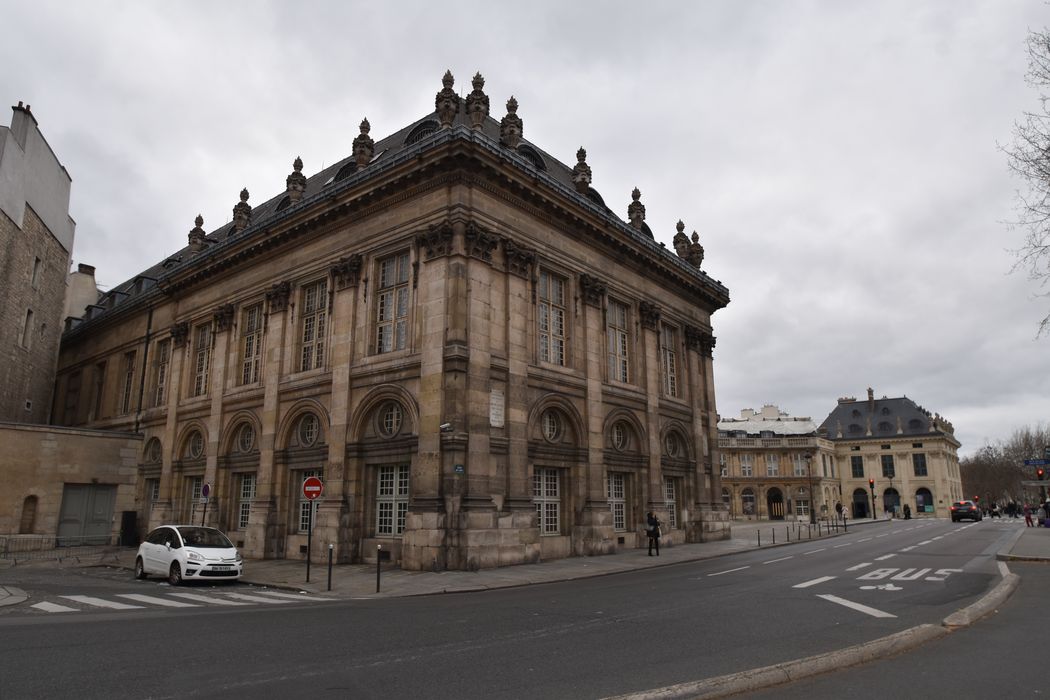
x=401 y=147
x=882 y=419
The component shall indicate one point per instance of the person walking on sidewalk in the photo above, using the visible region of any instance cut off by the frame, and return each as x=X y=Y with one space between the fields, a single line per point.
x=653 y=524
x=1028 y=515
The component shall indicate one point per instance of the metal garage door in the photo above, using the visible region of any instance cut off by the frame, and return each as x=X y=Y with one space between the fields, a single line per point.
x=87 y=514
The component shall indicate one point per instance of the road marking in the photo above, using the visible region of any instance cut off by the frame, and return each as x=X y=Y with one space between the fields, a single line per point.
x=52 y=607
x=859 y=566
x=729 y=571
x=155 y=601
x=100 y=602
x=814 y=551
x=843 y=545
x=293 y=596
x=855 y=606
x=865 y=539
x=908 y=549
x=255 y=598
x=938 y=537
x=206 y=599
x=813 y=582
x=882 y=535
x=774 y=561
x=924 y=542
x=885 y=556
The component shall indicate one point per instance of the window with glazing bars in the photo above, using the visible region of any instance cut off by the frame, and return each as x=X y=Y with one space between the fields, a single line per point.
x=918 y=461
x=201 y=359
x=546 y=495
x=127 y=383
x=312 y=325
x=669 y=359
x=888 y=471
x=392 y=304
x=391 y=499
x=617 y=335
x=856 y=465
x=772 y=464
x=671 y=499
x=160 y=379
x=551 y=318
x=798 y=462
x=246 y=494
x=615 y=486
x=747 y=465
x=251 y=343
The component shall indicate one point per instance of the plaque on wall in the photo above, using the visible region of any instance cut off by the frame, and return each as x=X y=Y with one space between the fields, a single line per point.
x=496 y=408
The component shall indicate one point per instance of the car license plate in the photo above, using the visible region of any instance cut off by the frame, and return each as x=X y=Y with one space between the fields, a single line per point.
x=221 y=568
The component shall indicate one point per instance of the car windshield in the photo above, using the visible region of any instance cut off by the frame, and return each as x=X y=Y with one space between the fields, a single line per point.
x=204 y=537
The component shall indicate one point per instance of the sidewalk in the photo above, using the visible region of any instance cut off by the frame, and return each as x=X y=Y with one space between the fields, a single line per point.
x=359 y=580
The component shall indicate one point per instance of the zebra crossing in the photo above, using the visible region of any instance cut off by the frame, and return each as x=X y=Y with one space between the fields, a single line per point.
x=172 y=600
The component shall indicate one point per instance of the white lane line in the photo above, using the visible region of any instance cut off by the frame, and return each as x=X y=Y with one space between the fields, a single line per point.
x=938 y=537
x=843 y=545
x=884 y=557
x=293 y=596
x=256 y=598
x=100 y=602
x=774 y=561
x=206 y=599
x=924 y=542
x=855 y=606
x=813 y=582
x=883 y=535
x=155 y=601
x=859 y=566
x=814 y=551
x=729 y=571
x=52 y=607
x=907 y=549
x=865 y=539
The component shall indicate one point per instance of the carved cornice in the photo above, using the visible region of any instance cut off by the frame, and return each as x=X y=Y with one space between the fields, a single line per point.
x=693 y=337
x=278 y=296
x=437 y=241
x=180 y=332
x=519 y=259
x=707 y=345
x=480 y=243
x=593 y=290
x=224 y=318
x=650 y=315
x=346 y=272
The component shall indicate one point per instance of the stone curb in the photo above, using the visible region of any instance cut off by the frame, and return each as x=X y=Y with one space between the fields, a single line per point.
x=9 y=595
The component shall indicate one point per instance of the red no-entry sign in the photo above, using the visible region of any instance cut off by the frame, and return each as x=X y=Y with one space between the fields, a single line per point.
x=312 y=487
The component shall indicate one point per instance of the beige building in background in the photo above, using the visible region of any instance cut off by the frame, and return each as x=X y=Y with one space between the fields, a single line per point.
x=482 y=361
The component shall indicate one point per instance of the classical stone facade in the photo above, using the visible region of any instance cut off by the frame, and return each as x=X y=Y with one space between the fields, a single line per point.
x=485 y=364
x=36 y=240
x=772 y=463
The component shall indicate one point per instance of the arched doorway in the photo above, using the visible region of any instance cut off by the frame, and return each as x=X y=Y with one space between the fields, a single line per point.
x=891 y=501
x=28 y=521
x=923 y=501
x=860 y=504
x=775 y=504
x=747 y=503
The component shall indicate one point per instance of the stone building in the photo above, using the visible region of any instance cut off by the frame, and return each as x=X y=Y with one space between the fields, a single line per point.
x=485 y=365
x=771 y=463
x=36 y=241
x=896 y=450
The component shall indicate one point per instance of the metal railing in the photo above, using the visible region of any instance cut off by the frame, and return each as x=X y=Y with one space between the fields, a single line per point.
x=18 y=548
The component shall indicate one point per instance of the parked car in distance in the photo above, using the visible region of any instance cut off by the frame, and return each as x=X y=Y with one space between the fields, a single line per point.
x=188 y=553
x=965 y=509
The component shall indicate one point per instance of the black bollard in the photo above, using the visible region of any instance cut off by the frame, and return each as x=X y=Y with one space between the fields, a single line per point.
x=330 y=548
x=379 y=549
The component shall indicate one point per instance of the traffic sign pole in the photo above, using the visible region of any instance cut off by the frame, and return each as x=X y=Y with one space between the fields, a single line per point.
x=312 y=490
x=309 y=539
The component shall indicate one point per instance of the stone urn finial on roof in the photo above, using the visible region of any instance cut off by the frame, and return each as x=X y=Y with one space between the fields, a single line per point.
x=364 y=147
x=196 y=235
x=636 y=210
x=511 y=126
x=581 y=173
x=242 y=212
x=477 y=103
x=295 y=183
x=681 y=241
x=447 y=101
x=696 y=251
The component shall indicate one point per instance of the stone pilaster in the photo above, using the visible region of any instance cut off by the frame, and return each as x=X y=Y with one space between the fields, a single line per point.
x=220 y=352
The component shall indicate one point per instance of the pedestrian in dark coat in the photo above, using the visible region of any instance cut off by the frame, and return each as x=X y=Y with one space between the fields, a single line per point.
x=653 y=531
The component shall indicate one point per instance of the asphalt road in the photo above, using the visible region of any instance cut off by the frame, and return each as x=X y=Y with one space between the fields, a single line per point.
x=581 y=639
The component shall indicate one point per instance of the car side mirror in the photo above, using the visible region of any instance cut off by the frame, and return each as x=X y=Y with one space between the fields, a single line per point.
x=168 y=545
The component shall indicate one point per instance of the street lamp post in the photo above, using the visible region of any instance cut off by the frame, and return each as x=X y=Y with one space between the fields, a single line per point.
x=812 y=495
x=871 y=485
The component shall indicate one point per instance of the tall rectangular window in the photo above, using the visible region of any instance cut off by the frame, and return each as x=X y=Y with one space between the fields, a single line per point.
x=303 y=521
x=251 y=343
x=798 y=462
x=127 y=382
x=551 y=318
x=887 y=466
x=669 y=359
x=747 y=465
x=194 y=489
x=391 y=499
x=35 y=281
x=723 y=464
x=772 y=464
x=160 y=378
x=856 y=463
x=100 y=387
x=616 y=492
x=72 y=402
x=618 y=342
x=918 y=461
x=245 y=496
x=392 y=304
x=152 y=494
x=313 y=326
x=25 y=336
x=546 y=496
x=671 y=500
x=201 y=359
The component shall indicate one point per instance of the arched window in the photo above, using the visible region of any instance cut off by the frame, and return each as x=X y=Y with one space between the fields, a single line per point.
x=422 y=131
x=246 y=438
x=194 y=446
x=923 y=501
x=28 y=521
x=620 y=436
x=390 y=417
x=308 y=429
x=552 y=426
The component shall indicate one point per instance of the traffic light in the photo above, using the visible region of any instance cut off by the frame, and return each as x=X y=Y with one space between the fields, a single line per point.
x=1040 y=473
x=871 y=483
x=976 y=498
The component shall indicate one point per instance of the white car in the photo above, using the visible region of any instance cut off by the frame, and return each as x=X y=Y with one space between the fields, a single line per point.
x=188 y=553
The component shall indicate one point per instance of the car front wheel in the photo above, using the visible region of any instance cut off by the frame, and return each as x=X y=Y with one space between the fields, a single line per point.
x=175 y=574
x=140 y=570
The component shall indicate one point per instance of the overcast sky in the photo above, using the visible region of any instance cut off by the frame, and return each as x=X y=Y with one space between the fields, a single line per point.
x=840 y=160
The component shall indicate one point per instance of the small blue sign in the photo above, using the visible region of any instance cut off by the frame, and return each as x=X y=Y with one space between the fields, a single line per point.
x=458 y=469
x=1036 y=462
